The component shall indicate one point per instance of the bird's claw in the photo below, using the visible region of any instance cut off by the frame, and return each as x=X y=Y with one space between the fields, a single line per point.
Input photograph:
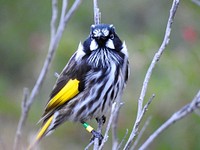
x=96 y=135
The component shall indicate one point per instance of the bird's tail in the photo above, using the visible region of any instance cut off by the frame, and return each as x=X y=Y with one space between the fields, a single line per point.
x=42 y=132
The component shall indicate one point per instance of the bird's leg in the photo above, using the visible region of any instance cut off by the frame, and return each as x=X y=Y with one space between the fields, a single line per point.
x=95 y=134
x=103 y=119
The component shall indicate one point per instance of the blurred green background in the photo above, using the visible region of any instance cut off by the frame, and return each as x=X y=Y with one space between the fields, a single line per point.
x=24 y=39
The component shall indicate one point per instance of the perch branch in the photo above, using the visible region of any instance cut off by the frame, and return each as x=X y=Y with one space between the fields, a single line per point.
x=55 y=38
x=108 y=126
x=183 y=112
x=97 y=17
x=149 y=72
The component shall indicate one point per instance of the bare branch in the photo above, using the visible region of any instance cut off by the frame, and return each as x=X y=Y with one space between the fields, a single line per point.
x=145 y=108
x=21 y=122
x=97 y=13
x=89 y=145
x=183 y=112
x=108 y=126
x=137 y=122
x=114 y=124
x=63 y=11
x=55 y=39
x=141 y=133
x=123 y=140
x=150 y=69
x=71 y=11
x=196 y=2
x=54 y=18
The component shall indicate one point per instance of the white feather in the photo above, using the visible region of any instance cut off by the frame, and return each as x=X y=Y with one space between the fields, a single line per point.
x=80 y=53
x=93 y=45
x=124 y=49
x=110 y=44
x=49 y=129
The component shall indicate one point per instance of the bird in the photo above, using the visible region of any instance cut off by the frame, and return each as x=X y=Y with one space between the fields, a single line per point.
x=94 y=77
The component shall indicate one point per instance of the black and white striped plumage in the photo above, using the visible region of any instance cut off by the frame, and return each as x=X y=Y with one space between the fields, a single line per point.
x=94 y=77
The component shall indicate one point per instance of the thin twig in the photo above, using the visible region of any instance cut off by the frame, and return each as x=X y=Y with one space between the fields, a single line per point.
x=54 y=18
x=136 y=125
x=150 y=69
x=141 y=133
x=97 y=13
x=123 y=140
x=108 y=126
x=63 y=11
x=55 y=39
x=89 y=145
x=146 y=106
x=183 y=112
x=114 y=124
x=71 y=11
x=197 y=2
x=21 y=123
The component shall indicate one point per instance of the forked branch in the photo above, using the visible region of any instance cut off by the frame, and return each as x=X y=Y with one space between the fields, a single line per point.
x=181 y=113
x=56 y=35
x=149 y=72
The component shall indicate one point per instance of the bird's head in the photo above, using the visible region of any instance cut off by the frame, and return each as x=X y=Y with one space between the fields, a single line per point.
x=102 y=36
x=102 y=46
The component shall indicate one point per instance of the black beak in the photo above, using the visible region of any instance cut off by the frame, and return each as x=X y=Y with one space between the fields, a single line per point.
x=101 y=37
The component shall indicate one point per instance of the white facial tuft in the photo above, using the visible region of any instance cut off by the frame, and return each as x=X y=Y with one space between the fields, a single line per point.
x=93 y=45
x=80 y=53
x=110 y=44
x=124 y=49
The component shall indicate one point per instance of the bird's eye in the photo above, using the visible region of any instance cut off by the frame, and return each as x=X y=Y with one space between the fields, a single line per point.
x=112 y=36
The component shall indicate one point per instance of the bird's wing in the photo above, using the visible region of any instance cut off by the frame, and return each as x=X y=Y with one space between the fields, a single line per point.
x=69 y=84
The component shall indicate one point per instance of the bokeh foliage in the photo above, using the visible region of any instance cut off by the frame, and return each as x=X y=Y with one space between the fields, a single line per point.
x=24 y=38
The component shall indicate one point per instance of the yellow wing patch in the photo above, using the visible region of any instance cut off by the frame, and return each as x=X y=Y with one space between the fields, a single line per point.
x=66 y=93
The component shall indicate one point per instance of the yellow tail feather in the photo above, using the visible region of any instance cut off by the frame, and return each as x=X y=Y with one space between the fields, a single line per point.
x=41 y=133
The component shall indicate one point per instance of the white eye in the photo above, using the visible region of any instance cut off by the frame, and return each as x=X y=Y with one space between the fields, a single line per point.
x=112 y=36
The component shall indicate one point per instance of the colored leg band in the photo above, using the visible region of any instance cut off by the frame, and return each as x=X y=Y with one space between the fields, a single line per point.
x=87 y=127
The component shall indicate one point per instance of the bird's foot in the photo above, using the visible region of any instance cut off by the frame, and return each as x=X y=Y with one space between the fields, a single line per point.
x=97 y=135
